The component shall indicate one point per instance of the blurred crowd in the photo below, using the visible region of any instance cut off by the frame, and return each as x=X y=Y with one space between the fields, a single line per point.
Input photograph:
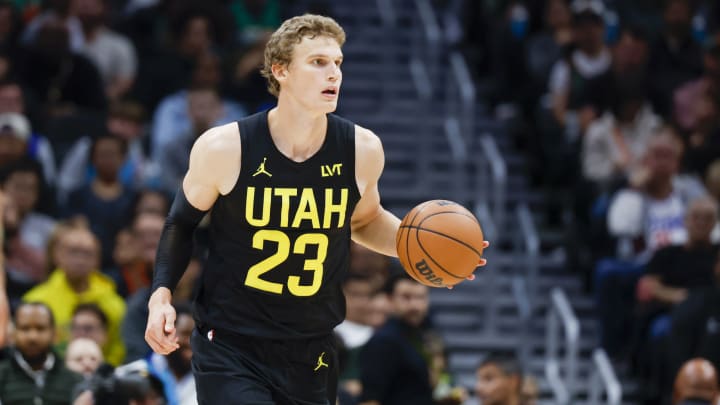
x=616 y=104
x=100 y=103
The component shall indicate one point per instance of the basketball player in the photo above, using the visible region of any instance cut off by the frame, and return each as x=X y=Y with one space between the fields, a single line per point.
x=288 y=188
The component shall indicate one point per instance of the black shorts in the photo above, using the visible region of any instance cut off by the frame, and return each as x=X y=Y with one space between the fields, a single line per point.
x=233 y=369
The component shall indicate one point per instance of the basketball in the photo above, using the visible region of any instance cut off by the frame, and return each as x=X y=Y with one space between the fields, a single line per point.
x=439 y=243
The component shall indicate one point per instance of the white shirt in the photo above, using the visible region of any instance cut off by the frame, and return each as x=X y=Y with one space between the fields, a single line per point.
x=113 y=55
x=600 y=151
x=586 y=65
x=354 y=334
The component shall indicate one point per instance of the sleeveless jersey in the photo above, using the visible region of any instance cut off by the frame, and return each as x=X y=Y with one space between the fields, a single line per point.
x=280 y=240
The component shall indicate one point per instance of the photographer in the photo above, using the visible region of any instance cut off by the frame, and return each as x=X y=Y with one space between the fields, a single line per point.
x=126 y=385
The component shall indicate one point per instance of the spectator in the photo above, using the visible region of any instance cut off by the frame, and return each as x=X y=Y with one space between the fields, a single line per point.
x=77 y=281
x=499 y=381
x=652 y=211
x=354 y=330
x=130 y=384
x=169 y=69
x=675 y=58
x=245 y=83
x=89 y=321
x=696 y=384
x=63 y=13
x=578 y=83
x=404 y=376
x=703 y=142
x=370 y=263
x=644 y=218
x=253 y=18
x=147 y=228
x=112 y=53
x=152 y=201
x=675 y=269
x=38 y=147
x=10 y=27
x=695 y=327
x=689 y=98
x=83 y=356
x=60 y=79
x=125 y=120
x=4 y=302
x=27 y=231
x=105 y=202
x=34 y=373
x=712 y=180
x=672 y=272
x=175 y=369
x=16 y=142
x=545 y=48
x=205 y=109
x=174 y=118
x=616 y=142
x=445 y=392
x=379 y=309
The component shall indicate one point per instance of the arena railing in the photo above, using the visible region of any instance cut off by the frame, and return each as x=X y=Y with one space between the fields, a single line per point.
x=460 y=96
x=520 y=293
x=458 y=151
x=427 y=42
x=488 y=275
x=388 y=20
x=604 y=380
x=528 y=250
x=498 y=172
x=561 y=375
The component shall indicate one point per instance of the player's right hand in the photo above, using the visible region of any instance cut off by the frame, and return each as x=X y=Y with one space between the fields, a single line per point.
x=160 y=333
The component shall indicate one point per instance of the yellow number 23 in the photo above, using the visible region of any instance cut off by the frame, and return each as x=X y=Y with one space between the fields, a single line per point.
x=283 y=251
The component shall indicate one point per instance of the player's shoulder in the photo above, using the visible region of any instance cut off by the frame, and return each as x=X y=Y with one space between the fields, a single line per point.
x=219 y=139
x=367 y=141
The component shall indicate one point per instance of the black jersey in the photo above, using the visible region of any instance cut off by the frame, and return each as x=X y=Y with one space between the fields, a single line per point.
x=280 y=240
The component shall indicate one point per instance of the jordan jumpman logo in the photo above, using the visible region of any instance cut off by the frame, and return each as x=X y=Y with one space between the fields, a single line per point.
x=321 y=363
x=261 y=169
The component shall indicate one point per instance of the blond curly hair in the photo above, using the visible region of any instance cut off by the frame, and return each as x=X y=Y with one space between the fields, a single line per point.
x=280 y=46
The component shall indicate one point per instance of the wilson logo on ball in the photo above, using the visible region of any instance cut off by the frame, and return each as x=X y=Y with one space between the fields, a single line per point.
x=427 y=272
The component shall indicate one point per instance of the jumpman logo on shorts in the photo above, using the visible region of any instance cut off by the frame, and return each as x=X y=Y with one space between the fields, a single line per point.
x=261 y=169
x=321 y=363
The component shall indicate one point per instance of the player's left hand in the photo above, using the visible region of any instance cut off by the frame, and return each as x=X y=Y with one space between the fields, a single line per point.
x=481 y=262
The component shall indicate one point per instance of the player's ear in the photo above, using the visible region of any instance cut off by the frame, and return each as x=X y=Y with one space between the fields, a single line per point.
x=279 y=71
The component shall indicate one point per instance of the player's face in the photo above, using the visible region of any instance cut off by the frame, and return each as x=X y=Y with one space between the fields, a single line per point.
x=313 y=76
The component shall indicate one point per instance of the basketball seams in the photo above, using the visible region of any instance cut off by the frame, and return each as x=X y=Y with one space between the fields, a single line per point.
x=420 y=245
x=407 y=240
x=408 y=224
x=449 y=212
x=419 y=227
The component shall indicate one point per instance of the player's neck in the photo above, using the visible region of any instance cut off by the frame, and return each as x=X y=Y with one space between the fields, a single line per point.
x=295 y=132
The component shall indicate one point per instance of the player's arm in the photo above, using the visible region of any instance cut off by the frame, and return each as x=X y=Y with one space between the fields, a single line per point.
x=213 y=169
x=372 y=226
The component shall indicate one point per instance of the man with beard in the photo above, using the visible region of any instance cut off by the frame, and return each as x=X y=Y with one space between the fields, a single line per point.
x=33 y=373
x=393 y=369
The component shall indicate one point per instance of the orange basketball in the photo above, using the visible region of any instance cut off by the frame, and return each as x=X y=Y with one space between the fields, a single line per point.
x=439 y=243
